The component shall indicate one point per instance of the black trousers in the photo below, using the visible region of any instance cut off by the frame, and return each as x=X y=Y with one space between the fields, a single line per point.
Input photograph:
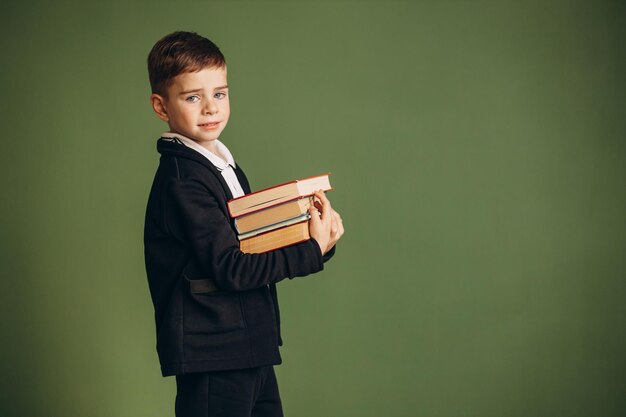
x=236 y=393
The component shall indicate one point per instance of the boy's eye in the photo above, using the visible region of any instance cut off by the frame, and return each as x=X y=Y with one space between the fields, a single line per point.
x=192 y=99
x=220 y=95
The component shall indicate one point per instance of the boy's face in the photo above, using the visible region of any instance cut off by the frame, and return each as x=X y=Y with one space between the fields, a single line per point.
x=196 y=105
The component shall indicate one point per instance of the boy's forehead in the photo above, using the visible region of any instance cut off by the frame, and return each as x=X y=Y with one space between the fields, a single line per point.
x=205 y=78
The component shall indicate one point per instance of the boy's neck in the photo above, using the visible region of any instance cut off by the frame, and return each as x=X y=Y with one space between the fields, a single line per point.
x=211 y=146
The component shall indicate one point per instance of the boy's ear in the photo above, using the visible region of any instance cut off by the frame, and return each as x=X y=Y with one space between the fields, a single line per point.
x=158 y=105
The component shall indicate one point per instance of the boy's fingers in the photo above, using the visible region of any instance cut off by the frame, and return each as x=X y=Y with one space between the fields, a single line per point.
x=315 y=216
x=318 y=198
x=314 y=212
x=326 y=207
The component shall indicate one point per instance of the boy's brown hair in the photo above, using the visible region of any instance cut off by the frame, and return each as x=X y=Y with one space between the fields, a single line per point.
x=180 y=52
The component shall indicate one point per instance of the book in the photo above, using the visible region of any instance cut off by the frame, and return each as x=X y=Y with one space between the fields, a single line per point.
x=274 y=226
x=272 y=215
x=278 y=194
x=277 y=238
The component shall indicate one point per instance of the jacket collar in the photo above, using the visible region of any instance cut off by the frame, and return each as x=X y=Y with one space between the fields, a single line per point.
x=172 y=148
x=215 y=159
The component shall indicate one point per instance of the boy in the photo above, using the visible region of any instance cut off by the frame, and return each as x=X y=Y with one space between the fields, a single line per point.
x=216 y=311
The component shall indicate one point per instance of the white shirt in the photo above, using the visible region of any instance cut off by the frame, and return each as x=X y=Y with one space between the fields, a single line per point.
x=226 y=167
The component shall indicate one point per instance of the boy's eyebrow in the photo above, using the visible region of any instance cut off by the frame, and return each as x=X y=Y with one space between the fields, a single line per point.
x=190 y=91
x=195 y=90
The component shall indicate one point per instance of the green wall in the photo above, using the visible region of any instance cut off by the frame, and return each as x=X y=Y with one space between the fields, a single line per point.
x=478 y=152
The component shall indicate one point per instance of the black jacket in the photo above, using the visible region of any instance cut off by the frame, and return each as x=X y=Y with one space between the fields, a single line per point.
x=215 y=307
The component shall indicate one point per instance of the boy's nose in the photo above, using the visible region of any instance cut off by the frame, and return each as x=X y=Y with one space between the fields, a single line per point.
x=210 y=107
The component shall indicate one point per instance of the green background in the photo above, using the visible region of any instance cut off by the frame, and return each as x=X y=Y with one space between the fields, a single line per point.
x=478 y=152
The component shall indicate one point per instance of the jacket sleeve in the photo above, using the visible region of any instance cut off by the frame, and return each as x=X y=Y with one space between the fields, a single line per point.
x=197 y=220
x=329 y=254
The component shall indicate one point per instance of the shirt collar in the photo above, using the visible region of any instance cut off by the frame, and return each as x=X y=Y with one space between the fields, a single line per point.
x=215 y=160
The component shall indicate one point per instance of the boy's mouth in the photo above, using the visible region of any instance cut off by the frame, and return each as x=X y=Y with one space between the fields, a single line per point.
x=209 y=126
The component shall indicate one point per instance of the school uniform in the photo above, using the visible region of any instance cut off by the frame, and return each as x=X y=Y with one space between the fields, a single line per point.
x=216 y=308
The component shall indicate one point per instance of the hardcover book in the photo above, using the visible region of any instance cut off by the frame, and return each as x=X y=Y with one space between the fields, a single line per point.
x=273 y=215
x=301 y=218
x=277 y=238
x=278 y=194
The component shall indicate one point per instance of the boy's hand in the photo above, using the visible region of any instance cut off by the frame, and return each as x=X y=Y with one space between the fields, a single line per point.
x=325 y=226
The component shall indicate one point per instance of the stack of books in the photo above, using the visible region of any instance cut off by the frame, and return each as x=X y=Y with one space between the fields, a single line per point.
x=277 y=216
